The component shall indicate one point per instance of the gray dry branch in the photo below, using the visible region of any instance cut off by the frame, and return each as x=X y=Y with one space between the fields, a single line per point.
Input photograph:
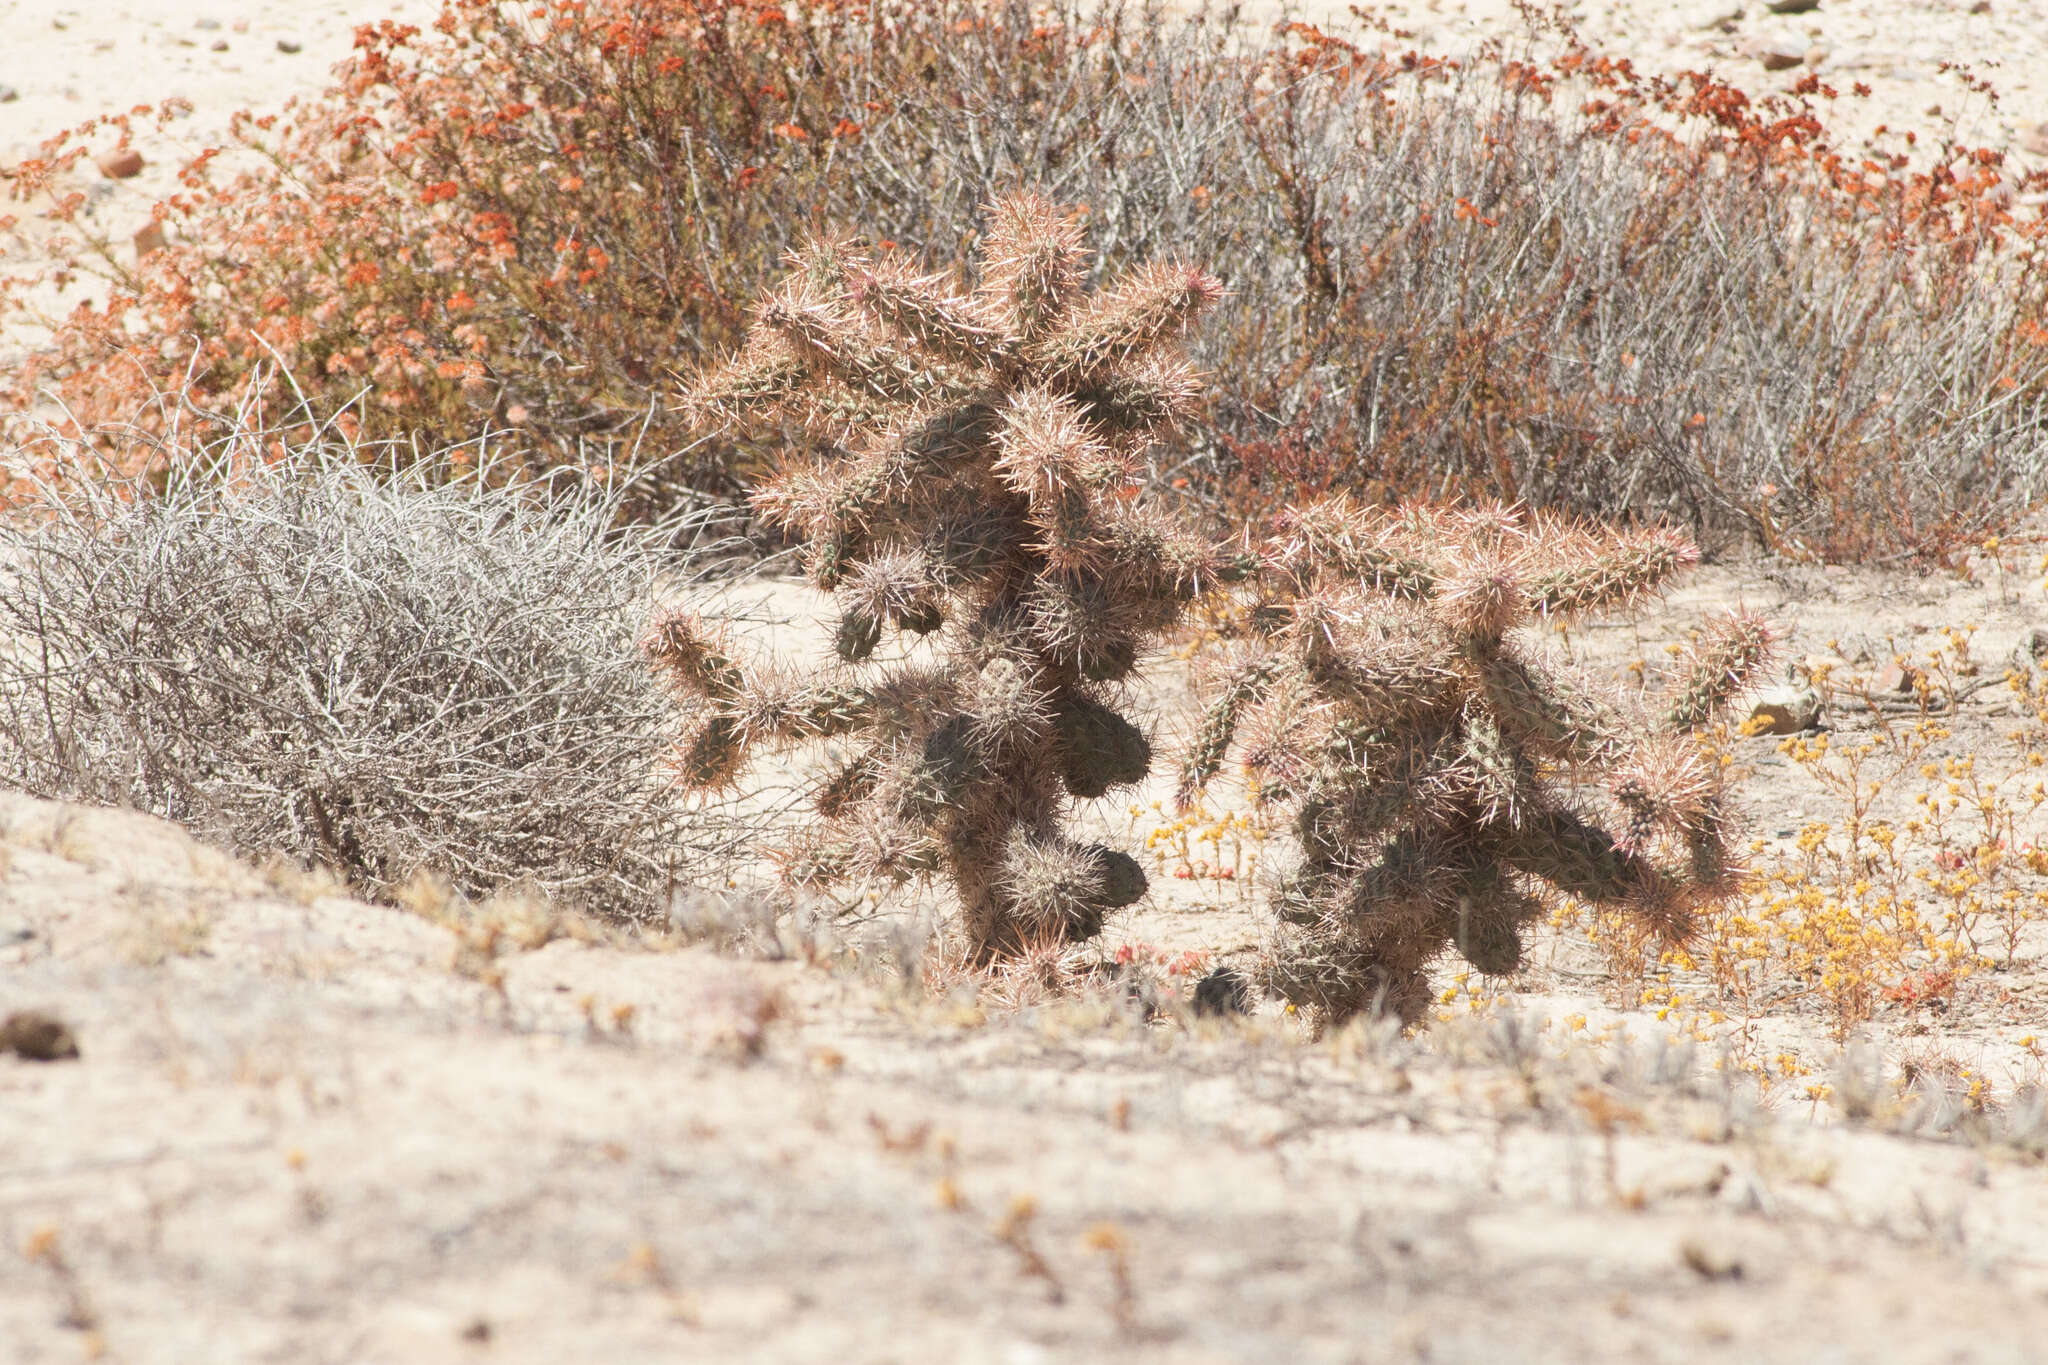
x=302 y=658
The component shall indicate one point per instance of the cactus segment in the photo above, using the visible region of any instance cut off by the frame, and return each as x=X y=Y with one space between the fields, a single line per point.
x=1097 y=749
x=1726 y=660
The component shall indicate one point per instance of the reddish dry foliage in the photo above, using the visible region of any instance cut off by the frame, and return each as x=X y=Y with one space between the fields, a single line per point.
x=1524 y=285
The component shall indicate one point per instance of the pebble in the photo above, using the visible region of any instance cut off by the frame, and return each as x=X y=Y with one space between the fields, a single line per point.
x=149 y=239
x=1777 y=51
x=1709 y=1260
x=287 y=45
x=120 y=163
x=8 y=94
x=220 y=45
x=38 y=1037
x=1896 y=679
x=1786 y=711
x=1792 y=6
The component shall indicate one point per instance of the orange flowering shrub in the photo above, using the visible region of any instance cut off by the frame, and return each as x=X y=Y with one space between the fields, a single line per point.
x=522 y=218
x=1581 y=287
x=1563 y=283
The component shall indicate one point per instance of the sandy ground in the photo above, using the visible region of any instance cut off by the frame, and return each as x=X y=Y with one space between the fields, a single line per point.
x=307 y=1129
x=301 y=1129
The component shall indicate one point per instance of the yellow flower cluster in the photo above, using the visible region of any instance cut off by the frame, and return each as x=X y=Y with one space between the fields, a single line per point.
x=1175 y=838
x=1924 y=868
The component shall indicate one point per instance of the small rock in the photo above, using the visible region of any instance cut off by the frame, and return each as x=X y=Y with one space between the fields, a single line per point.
x=206 y=25
x=13 y=932
x=1709 y=1261
x=2035 y=140
x=220 y=45
x=1896 y=679
x=1791 y=6
x=1221 y=992
x=120 y=163
x=1786 y=711
x=1777 y=51
x=149 y=239
x=1714 y=15
x=38 y=1037
x=1815 y=57
x=8 y=94
x=287 y=45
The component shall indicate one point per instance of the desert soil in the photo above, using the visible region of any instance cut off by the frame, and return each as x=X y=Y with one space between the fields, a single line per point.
x=304 y=1128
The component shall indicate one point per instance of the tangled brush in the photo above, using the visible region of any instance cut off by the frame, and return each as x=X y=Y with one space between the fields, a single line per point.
x=287 y=653
x=968 y=479
x=1438 y=775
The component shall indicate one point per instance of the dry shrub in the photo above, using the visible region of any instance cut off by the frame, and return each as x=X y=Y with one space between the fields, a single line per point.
x=1559 y=282
x=377 y=675
x=1588 y=290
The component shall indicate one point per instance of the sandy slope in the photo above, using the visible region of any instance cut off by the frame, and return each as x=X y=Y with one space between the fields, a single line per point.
x=297 y=1134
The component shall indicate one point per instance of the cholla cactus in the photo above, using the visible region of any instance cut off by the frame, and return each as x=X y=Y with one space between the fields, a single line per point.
x=978 y=488
x=1435 y=769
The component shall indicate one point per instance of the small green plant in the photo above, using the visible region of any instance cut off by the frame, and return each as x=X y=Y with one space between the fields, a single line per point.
x=1435 y=769
x=978 y=490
